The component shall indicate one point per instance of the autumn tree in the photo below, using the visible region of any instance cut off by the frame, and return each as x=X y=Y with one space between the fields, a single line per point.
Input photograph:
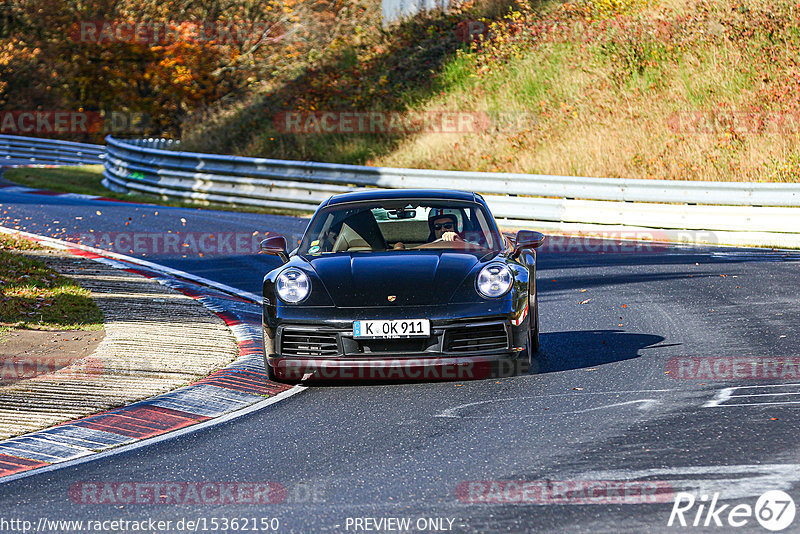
x=158 y=59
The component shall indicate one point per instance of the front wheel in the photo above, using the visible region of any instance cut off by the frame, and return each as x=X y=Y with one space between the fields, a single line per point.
x=533 y=340
x=533 y=337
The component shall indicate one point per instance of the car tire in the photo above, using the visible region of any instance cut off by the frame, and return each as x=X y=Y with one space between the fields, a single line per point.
x=267 y=367
x=533 y=340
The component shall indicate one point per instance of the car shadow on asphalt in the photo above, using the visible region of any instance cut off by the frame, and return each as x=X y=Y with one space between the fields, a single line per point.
x=576 y=349
x=560 y=351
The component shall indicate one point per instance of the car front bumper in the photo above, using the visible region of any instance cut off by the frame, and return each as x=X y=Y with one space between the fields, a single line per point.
x=396 y=369
x=459 y=349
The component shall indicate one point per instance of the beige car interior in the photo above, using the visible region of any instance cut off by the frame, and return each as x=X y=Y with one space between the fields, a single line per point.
x=362 y=233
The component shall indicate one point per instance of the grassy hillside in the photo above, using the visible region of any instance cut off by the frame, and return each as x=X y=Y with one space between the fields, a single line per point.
x=702 y=90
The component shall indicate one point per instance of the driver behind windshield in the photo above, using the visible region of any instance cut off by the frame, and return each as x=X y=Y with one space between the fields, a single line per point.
x=443 y=227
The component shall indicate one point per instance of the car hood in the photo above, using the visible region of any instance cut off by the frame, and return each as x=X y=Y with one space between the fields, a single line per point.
x=412 y=278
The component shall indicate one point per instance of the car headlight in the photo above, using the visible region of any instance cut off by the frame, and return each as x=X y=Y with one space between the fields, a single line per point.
x=494 y=280
x=292 y=285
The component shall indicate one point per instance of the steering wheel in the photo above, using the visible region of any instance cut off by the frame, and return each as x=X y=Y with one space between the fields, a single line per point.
x=442 y=244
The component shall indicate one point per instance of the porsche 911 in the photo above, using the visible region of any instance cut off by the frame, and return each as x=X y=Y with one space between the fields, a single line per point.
x=400 y=285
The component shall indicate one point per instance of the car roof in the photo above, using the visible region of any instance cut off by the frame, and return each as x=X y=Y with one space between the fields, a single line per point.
x=386 y=194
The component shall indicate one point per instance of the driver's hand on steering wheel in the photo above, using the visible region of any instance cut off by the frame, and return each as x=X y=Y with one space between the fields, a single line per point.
x=451 y=236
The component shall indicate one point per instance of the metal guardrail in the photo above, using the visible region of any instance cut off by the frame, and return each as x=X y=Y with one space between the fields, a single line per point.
x=145 y=166
x=18 y=150
x=259 y=182
x=154 y=166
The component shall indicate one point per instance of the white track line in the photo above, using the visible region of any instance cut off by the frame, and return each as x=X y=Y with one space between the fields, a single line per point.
x=755 y=404
x=765 y=394
x=726 y=394
x=452 y=412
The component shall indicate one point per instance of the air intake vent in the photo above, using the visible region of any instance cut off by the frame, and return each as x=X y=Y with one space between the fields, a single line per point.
x=476 y=338
x=308 y=343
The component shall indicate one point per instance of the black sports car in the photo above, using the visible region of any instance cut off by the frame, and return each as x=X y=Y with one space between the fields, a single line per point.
x=401 y=284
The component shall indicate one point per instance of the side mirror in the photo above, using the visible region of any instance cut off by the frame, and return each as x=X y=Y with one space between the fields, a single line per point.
x=275 y=245
x=527 y=239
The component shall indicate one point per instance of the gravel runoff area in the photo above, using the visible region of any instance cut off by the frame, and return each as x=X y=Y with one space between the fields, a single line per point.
x=156 y=339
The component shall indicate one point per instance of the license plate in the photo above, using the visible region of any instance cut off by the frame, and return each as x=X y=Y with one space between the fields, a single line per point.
x=400 y=328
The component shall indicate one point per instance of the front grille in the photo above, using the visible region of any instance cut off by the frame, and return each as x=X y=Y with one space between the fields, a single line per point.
x=411 y=345
x=308 y=343
x=476 y=338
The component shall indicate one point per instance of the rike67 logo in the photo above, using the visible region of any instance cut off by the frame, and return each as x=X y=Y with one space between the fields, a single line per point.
x=774 y=510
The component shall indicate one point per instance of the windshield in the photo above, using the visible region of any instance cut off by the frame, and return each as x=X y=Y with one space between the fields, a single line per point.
x=403 y=225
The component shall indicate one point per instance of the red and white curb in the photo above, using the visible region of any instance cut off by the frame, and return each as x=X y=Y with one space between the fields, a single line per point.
x=231 y=392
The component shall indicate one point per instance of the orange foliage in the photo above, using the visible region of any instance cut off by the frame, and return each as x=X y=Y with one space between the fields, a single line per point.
x=158 y=59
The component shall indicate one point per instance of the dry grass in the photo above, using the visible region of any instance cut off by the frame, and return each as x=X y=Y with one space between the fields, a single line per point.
x=689 y=119
x=670 y=89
